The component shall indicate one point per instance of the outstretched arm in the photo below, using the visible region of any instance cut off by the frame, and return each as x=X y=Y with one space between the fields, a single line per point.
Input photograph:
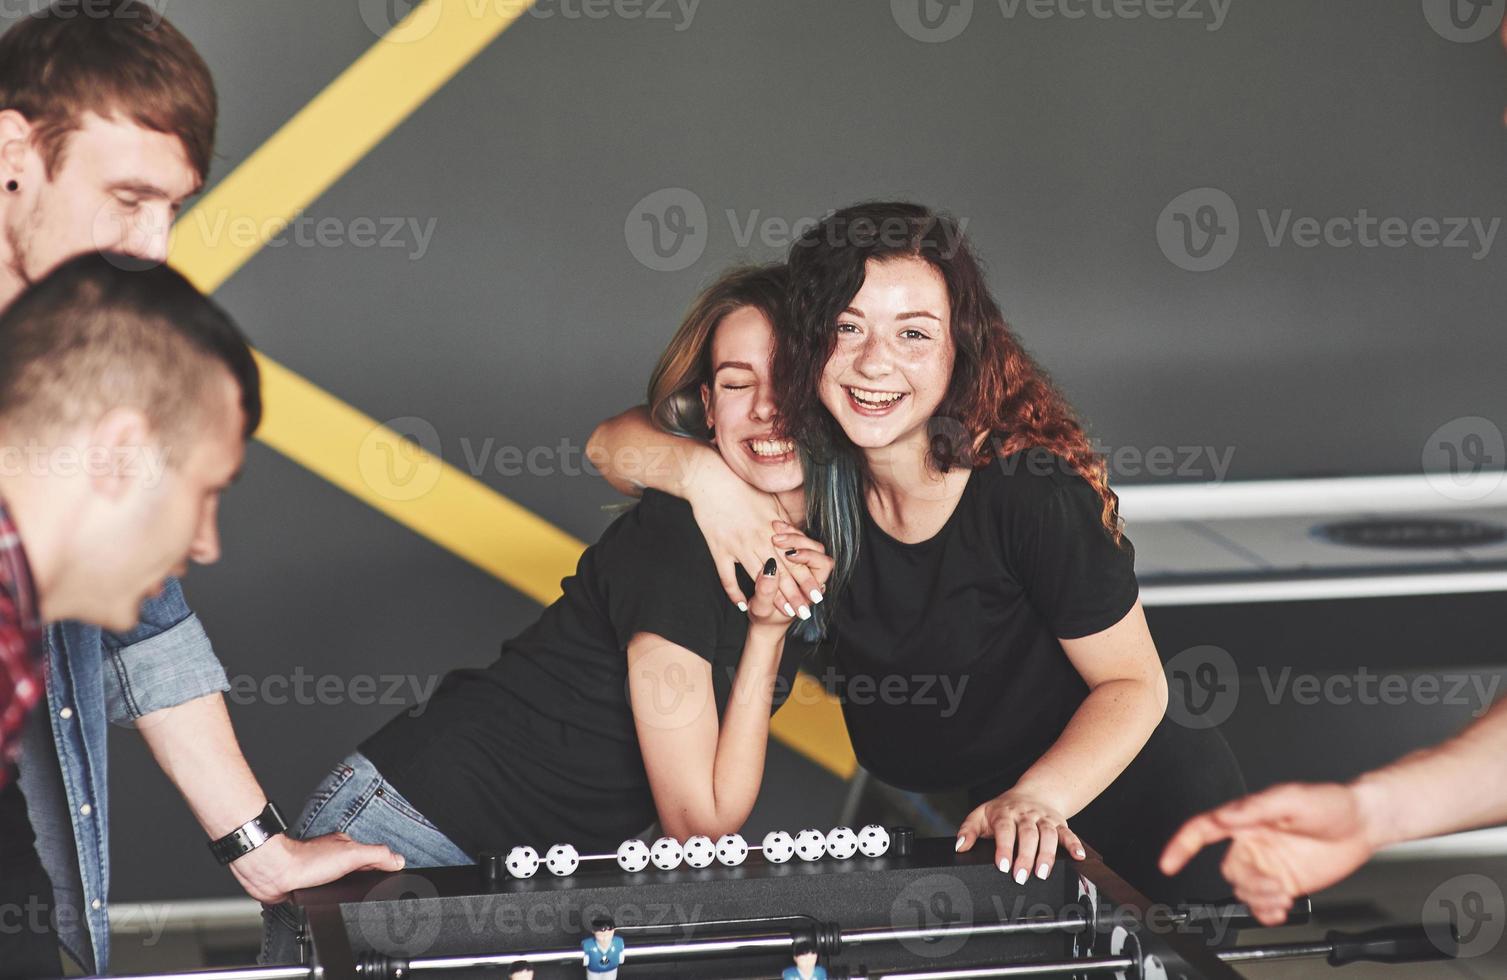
x=196 y=747
x=1294 y=839
x=736 y=519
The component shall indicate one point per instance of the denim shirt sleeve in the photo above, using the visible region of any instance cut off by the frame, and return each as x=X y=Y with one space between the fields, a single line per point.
x=166 y=660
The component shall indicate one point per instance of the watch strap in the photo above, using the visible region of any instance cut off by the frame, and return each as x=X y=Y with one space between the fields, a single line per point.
x=250 y=835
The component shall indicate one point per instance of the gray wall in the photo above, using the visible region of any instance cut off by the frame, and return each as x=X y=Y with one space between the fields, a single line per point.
x=529 y=316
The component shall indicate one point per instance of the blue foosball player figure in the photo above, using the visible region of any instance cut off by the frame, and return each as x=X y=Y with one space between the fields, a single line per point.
x=604 y=950
x=805 y=964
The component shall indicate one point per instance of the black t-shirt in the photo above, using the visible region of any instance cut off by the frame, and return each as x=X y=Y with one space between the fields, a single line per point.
x=946 y=652
x=540 y=747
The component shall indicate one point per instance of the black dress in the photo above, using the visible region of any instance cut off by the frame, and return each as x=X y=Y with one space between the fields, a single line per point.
x=952 y=676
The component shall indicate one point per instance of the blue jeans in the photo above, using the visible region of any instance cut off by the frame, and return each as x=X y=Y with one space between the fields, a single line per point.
x=354 y=799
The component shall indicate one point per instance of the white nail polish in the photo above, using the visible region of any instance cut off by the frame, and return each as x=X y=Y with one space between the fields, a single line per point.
x=1021 y=876
x=959 y=845
x=816 y=596
x=743 y=607
x=788 y=610
x=804 y=612
x=1005 y=866
x=1042 y=872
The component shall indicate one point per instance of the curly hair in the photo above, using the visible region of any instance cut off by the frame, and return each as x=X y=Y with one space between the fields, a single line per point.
x=999 y=400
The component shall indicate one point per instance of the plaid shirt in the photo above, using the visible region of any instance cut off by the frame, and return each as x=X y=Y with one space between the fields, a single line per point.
x=20 y=642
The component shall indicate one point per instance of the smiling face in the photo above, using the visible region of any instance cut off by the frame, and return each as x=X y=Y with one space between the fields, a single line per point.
x=118 y=189
x=893 y=360
x=739 y=404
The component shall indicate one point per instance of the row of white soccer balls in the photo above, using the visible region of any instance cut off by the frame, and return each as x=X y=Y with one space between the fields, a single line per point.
x=667 y=853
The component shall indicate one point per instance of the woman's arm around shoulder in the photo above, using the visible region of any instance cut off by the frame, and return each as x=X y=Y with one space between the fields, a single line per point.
x=735 y=519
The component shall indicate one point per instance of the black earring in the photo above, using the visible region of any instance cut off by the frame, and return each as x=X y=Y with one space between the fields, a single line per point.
x=12 y=186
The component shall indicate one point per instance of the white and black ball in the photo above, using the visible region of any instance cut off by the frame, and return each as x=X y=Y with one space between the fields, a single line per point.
x=778 y=847
x=732 y=849
x=810 y=844
x=666 y=854
x=562 y=860
x=522 y=862
x=874 y=841
x=700 y=851
x=633 y=855
x=842 y=843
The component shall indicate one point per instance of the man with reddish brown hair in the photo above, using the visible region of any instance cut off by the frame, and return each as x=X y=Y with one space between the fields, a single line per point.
x=107 y=125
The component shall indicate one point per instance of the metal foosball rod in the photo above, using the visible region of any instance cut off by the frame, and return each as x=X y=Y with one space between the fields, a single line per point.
x=767 y=941
x=1390 y=944
x=1072 y=922
x=1050 y=968
x=377 y=965
x=1387 y=945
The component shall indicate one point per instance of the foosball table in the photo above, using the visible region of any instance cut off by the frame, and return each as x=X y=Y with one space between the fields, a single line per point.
x=873 y=905
x=909 y=910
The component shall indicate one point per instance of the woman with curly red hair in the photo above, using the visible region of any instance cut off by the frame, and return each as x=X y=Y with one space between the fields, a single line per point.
x=977 y=544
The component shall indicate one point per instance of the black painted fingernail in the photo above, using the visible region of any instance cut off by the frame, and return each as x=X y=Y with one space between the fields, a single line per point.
x=770 y=567
x=791 y=551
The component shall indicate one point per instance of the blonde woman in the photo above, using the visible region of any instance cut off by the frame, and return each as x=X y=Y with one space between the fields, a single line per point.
x=641 y=695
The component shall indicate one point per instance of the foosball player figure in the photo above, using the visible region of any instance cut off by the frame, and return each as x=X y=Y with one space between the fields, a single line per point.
x=604 y=950
x=805 y=963
x=521 y=971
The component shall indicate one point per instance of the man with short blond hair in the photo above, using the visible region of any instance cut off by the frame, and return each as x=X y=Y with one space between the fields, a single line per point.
x=130 y=398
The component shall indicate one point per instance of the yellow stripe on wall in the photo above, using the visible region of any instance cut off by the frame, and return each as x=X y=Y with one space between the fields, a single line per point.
x=418 y=490
x=273 y=186
x=811 y=723
x=374 y=464
x=334 y=132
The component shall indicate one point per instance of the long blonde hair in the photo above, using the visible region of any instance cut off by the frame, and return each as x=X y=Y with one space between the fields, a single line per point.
x=686 y=364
